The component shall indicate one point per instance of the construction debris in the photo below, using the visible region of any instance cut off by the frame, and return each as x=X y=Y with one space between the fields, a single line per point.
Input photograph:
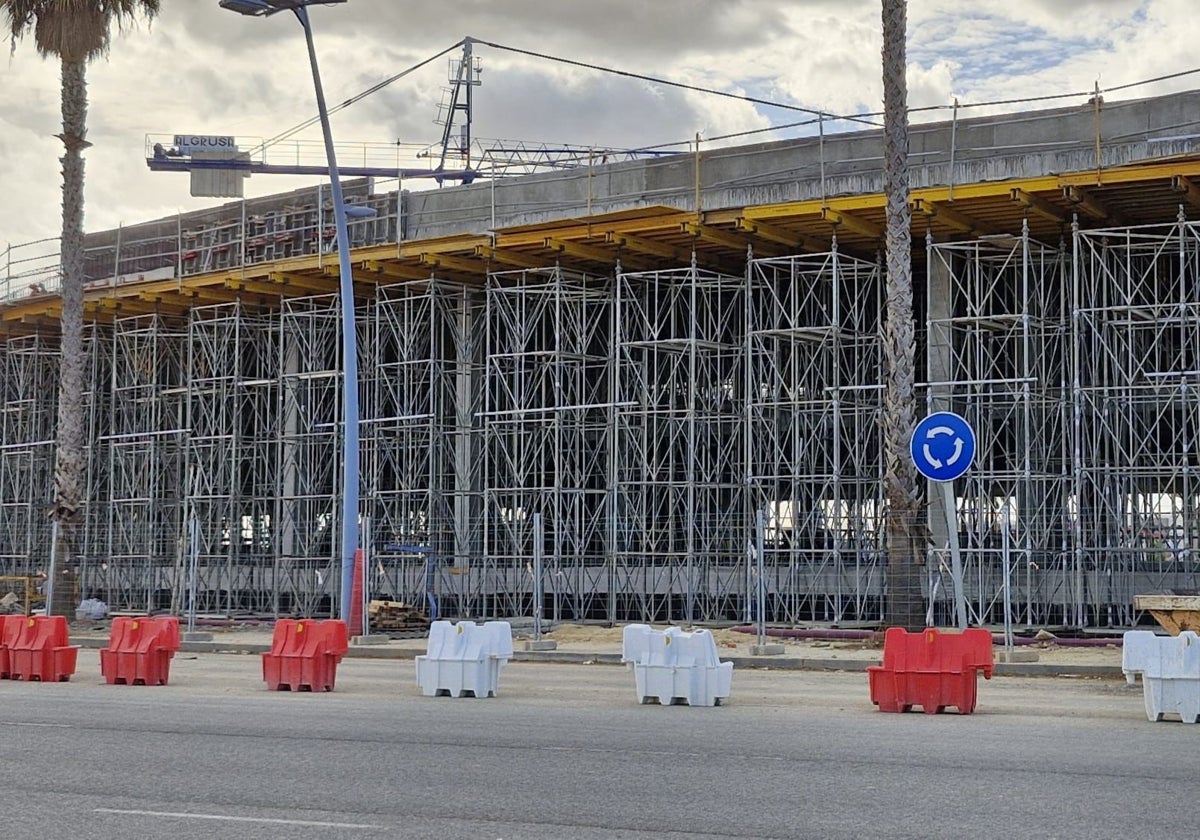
x=394 y=615
x=10 y=604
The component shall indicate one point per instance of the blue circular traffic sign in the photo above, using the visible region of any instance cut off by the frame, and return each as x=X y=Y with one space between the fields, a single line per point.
x=943 y=446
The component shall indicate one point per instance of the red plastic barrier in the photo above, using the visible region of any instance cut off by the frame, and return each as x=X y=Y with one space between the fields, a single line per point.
x=9 y=624
x=304 y=655
x=930 y=669
x=40 y=649
x=140 y=650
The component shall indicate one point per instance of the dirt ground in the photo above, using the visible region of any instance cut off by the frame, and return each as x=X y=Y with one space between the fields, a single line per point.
x=599 y=639
x=730 y=642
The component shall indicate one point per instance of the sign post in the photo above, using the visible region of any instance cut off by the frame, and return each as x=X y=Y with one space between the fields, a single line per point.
x=942 y=448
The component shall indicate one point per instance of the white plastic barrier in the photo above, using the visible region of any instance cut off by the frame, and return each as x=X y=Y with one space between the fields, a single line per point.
x=672 y=665
x=464 y=658
x=1170 y=670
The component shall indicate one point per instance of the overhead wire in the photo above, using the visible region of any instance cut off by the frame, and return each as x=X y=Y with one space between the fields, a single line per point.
x=667 y=82
x=867 y=118
x=375 y=88
x=819 y=115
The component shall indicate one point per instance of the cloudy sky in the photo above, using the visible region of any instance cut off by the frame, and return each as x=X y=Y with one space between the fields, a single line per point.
x=202 y=69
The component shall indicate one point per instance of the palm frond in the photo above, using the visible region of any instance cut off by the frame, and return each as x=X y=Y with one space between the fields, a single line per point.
x=73 y=30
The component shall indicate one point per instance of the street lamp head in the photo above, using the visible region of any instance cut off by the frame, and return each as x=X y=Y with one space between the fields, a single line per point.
x=247 y=7
x=263 y=8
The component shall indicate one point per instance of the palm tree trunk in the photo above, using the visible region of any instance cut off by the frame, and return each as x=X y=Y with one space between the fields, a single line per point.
x=905 y=531
x=69 y=465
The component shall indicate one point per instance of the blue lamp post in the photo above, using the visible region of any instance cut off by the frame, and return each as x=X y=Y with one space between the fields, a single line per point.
x=350 y=413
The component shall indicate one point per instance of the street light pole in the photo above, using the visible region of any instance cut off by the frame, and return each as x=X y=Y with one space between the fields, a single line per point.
x=350 y=409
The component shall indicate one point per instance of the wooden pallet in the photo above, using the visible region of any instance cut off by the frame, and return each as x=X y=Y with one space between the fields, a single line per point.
x=1175 y=613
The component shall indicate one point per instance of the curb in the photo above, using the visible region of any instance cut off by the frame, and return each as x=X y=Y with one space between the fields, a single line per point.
x=764 y=663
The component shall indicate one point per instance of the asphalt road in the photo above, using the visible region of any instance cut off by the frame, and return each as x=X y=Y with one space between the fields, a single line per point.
x=566 y=752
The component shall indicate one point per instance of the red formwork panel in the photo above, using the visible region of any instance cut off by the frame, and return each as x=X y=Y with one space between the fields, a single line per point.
x=140 y=650
x=41 y=649
x=304 y=655
x=931 y=669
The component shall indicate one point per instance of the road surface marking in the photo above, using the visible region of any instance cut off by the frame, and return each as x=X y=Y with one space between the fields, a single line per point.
x=224 y=818
x=46 y=725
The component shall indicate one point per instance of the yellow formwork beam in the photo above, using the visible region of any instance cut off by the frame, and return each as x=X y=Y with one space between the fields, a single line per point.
x=780 y=236
x=577 y=249
x=449 y=262
x=642 y=245
x=1158 y=171
x=391 y=270
x=950 y=217
x=1040 y=206
x=1187 y=188
x=1093 y=206
x=853 y=223
x=507 y=256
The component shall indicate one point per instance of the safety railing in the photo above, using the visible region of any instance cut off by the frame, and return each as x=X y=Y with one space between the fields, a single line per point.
x=236 y=235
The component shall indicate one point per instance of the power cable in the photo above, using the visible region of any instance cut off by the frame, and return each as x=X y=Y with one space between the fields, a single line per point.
x=375 y=88
x=660 y=81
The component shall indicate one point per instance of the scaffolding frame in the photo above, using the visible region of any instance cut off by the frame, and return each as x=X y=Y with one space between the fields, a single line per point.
x=310 y=414
x=232 y=471
x=814 y=445
x=997 y=354
x=28 y=402
x=423 y=444
x=679 y=530
x=1135 y=363
x=546 y=427
x=145 y=449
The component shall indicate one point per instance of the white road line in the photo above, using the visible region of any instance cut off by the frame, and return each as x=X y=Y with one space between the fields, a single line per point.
x=224 y=818
x=46 y=725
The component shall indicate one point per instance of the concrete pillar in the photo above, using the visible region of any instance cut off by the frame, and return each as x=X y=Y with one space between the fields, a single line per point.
x=939 y=366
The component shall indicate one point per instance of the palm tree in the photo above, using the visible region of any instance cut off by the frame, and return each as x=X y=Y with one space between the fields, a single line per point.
x=75 y=31
x=905 y=531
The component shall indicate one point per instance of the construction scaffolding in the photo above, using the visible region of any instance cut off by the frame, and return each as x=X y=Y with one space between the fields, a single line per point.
x=309 y=455
x=679 y=530
x=545 y=431
x=652 y=420
x=232 y=476
x=997 y=355
x=1135 y=360
x=422 y=445
x=145 y=448
x=813 y=438
x=28 y=401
